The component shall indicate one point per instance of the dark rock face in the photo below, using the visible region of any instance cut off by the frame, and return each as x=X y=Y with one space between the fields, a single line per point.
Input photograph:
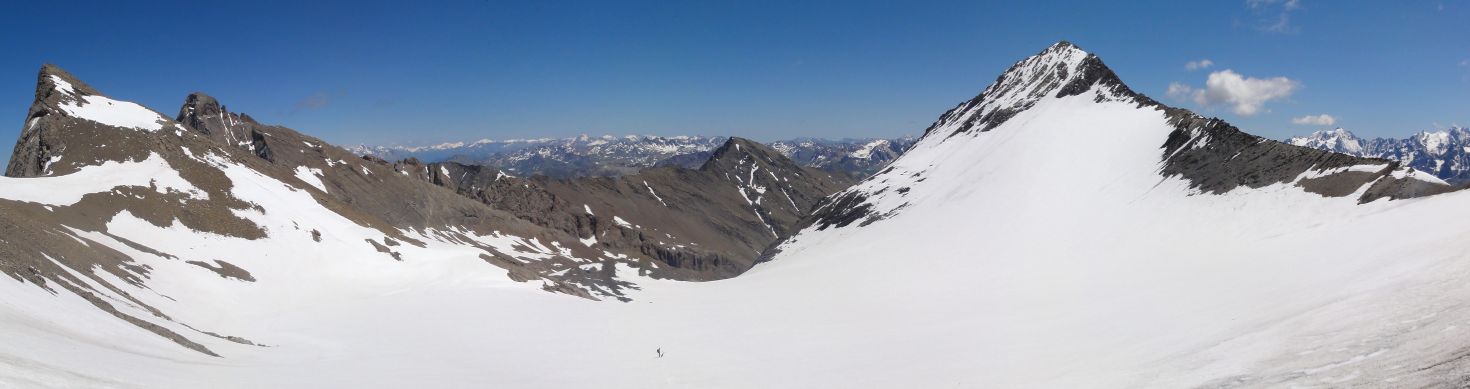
x=1047 y=74
x=41 y=144
x=688 y=161
x=1216 y=157
x=842 y=210
x=706 y=223
x=225 y=270
x=204 y=114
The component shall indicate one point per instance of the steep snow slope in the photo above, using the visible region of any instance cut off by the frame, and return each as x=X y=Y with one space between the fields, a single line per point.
x=1179 y=254
x=1121 y=274
x=1099 y=278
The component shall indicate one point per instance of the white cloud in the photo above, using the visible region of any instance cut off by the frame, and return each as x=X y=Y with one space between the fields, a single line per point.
x=1274 y=16
x=1197 y=65
x=1315 y=120
x=1179 y=91
x=1281 y=25
x=1244 y=95
x=1465 y=63
x=1285 y=4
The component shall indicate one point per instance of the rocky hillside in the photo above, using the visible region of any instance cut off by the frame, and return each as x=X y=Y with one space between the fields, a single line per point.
x=105 y=196
x=710 y=222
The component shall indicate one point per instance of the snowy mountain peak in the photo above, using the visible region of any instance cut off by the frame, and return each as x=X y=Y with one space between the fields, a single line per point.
x=740 y=151
x=1061 y=70
x=1444 y=153
x=1044 y=202
x=1437 y=142
x=55 y=80
x=1067 y=102
x=206 y=115
x=69 y=114
x=59 y=92
x=1337 y=140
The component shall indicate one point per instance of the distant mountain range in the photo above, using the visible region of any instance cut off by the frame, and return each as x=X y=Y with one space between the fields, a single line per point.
x=1444 y=153
x=615 y=156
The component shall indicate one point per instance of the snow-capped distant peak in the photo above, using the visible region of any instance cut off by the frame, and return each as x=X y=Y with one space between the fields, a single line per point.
x=867 y=149
x=1434 y=142
x=1338 y=140
x=1444 y=153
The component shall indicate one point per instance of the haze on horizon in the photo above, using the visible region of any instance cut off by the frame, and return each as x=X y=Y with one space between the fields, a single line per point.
x=382 y=73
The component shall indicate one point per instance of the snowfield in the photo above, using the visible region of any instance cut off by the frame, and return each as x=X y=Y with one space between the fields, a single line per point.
x=68 y=189
x=988 y=272
x=107 y=111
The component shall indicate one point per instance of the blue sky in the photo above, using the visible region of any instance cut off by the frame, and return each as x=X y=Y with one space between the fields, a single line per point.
x=388 y=73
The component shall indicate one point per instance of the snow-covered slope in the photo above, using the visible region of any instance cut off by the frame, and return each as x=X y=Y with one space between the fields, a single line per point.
x=1444 y=153
x=1176 y=252
x=156 y=225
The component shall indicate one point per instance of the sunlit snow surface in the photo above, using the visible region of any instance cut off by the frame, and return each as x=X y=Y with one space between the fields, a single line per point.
x=997 y=272
x=108 y=111
x=311 y=176
x=68 y=189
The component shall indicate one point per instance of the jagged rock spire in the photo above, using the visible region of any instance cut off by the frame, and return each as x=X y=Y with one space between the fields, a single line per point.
x=65 y=102
x=1061 y=70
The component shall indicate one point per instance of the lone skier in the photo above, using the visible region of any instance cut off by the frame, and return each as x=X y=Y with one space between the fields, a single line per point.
x=660 y=352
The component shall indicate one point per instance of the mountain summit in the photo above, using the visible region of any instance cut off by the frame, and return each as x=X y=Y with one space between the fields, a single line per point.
x=1101 y=238
x=1209 y=154
x=204 y=114
x=1062 y=70
x=68 y=114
